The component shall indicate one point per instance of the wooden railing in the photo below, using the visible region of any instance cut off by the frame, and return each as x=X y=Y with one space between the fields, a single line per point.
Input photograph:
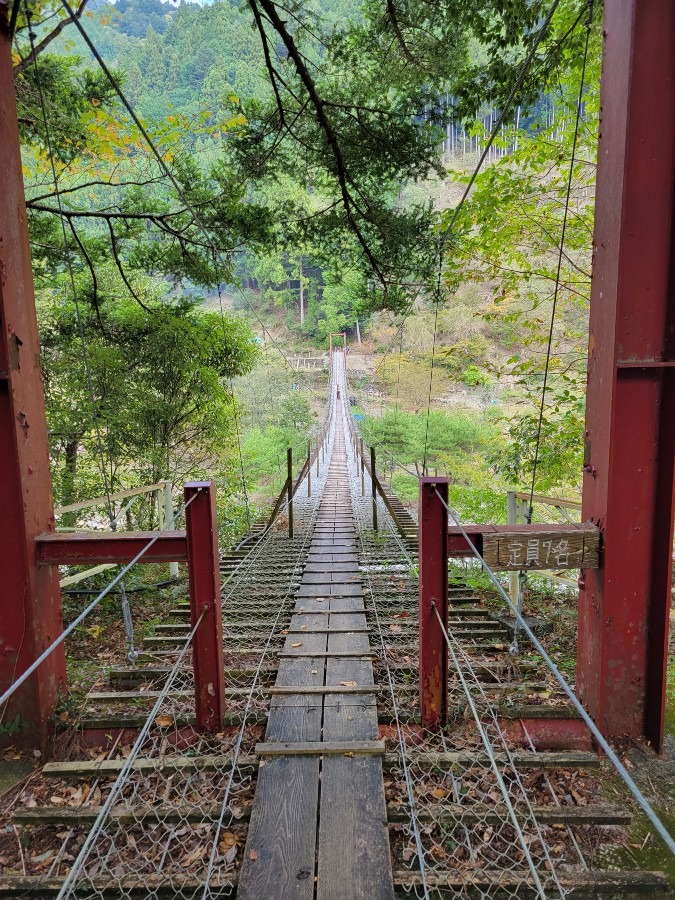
x=163 y=491
x=517 y=513
x=291 y=484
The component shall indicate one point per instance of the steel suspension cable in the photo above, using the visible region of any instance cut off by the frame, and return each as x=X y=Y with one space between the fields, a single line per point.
x=561 y=251
x=560 y=678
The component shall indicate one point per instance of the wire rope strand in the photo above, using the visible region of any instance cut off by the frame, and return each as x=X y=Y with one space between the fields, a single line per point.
x=561 y=250
x=560 y=678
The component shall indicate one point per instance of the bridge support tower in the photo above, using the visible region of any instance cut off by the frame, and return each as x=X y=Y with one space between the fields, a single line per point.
x=630 y=425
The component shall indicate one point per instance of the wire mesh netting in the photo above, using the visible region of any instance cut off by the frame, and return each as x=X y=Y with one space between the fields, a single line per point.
x=472 y=812
x=167 y=814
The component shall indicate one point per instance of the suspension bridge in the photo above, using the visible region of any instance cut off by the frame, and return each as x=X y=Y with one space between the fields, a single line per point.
x=328 y=714
x=318 y=778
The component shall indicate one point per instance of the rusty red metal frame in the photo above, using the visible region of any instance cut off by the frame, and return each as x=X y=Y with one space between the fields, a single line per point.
x=76 y=549
x=433 y=593
x=204 y=573
x=630 y=426
x=198 y=546
x=31 y=602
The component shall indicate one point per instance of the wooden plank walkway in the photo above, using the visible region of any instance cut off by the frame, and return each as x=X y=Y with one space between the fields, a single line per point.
x=319 y=823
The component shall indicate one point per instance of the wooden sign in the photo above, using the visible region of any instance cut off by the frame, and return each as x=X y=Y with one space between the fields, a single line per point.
x=535 y=548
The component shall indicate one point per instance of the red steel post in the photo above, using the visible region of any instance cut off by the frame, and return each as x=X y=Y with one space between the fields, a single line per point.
x=31 y=601
x=204 y=572
x=433 y=592
x=630 y=425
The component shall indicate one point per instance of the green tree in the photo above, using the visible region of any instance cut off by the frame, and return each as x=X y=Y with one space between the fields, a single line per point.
x=162 y=403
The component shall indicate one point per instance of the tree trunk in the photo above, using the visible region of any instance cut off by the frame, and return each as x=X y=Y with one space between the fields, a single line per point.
x=358 y=332
x=68 y=480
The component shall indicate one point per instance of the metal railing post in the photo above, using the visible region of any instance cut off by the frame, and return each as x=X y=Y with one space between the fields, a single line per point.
x=512 y=519
x=374 y=487
x=289 y=468
x=363 y=470
x=169 y=520
x=433 y=595
x=309 y=468
x=204 y=575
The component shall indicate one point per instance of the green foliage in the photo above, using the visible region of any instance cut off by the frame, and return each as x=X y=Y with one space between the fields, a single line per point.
x=560 y=444
x=343 y=301
x=507 y=236
x=474 y=377
x=456 y=443
x=162 y=409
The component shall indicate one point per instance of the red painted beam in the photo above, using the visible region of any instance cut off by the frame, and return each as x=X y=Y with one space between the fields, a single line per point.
x=30 y=604
x=458 y=544
x=433 y=594
x=630 y=426
x=204 y=571
x=110 y=547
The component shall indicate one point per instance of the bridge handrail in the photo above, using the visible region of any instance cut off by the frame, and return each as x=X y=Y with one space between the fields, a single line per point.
x=164 y=491
x=291 y=484
x=358 y=445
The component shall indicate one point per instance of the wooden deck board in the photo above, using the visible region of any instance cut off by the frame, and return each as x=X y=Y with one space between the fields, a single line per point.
x=309 y=776
x=281 y=843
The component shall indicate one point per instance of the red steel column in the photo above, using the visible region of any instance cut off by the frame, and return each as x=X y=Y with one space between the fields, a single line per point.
x=30 y=610
x=433 y=590
x=630 y=419
x=204 y=573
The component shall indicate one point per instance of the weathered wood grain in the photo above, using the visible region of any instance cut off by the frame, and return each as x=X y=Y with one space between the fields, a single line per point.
x=573 y=548
x=278 y=859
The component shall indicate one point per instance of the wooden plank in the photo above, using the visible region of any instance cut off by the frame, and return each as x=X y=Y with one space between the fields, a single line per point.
x=103 y=501
x=354 y=856
x=112 y=767
x=576 y=886
x=518 y=882
x=356 y=654
x=278 y=860
x=549 y=501
x=321 y=748
x=324 y=689
x=541 y=548
x=134 y=813
x=496 y=815
x=365 y=629
x=522 y=759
